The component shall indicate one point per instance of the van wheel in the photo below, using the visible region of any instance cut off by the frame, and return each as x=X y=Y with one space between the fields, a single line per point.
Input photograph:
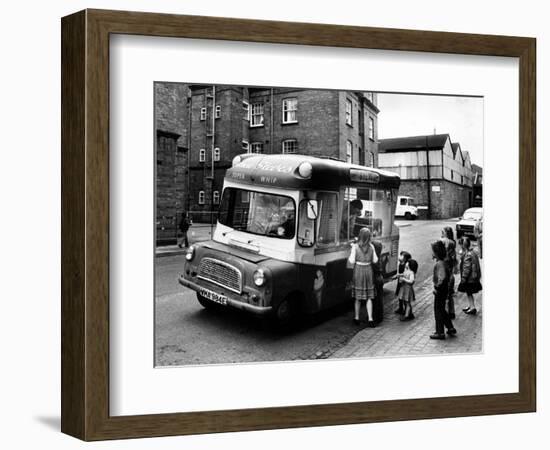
x=408 y=215
x=286 y=313
x=205 y=303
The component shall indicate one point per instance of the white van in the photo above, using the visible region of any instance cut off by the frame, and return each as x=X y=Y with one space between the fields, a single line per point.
x=405 y=208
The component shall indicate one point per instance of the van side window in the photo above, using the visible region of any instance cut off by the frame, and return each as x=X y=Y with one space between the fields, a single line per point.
x=306 y=227
x=327 y=222
x=403 y=201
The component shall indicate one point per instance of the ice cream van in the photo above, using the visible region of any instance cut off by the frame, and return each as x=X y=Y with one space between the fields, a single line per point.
x=284 y=231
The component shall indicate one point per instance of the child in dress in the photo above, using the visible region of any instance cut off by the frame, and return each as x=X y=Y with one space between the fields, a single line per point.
x=404 y=258
x=406 y=291
x=362 y=257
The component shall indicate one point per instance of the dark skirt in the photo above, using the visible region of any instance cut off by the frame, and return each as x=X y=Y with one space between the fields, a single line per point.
x=406 y=293
x=470 y=288
x=363 y=282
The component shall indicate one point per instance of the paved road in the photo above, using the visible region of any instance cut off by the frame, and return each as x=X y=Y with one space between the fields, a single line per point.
x=188 y=334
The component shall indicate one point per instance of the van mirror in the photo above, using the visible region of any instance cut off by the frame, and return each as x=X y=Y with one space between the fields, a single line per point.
x=312 y=209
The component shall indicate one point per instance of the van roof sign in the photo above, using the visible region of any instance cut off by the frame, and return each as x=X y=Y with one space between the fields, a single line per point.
x=306 y=172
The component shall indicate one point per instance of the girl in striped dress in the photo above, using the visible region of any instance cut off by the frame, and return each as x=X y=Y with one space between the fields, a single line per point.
x=362 y=257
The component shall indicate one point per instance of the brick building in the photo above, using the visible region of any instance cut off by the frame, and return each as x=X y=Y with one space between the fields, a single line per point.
x=226 y=121
x=436 y=172
x=171 y=117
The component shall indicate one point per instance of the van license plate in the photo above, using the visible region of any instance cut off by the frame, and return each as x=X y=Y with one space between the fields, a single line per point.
x=221 y=299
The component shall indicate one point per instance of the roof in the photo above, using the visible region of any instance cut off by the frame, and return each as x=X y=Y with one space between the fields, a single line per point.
x=477 y=169
x=455 y=146
x=282 y=171
x=413 y=143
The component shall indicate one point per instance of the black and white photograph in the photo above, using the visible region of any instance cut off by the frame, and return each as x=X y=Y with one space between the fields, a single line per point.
x=302 y=224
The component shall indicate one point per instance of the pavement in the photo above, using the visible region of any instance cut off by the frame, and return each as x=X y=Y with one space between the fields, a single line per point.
x=396 y=338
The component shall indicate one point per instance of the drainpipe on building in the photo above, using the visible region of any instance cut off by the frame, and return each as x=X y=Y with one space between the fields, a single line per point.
x=428 y=179
x=271 y=125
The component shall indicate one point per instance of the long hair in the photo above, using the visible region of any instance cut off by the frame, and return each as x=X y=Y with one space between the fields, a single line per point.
x=364 y=239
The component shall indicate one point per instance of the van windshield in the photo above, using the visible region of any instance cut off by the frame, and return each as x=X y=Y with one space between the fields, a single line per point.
x=258 y=213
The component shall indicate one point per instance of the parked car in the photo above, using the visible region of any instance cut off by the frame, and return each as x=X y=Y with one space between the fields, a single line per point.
x=406 y=208
x=470 y=224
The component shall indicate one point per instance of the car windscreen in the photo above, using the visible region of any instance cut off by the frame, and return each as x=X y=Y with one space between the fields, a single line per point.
x=470 y=215
x=258 y=213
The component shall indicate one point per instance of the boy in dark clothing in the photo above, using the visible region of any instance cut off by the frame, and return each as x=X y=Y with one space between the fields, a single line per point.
x=184 y=225
x=441 y=277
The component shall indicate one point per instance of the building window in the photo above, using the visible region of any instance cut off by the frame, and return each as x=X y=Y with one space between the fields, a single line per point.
x=218 y=113
x=245 y=145
x=349 y=113
x=246 y=110
x=290 y=108
x=290 y=146
x=216 y=198
x=349 y=149
x=203 y=113
x=371 y=128
x=257 y=147
x=257 y=115
x=217 y=154
x=202 y=155
x=201 y=197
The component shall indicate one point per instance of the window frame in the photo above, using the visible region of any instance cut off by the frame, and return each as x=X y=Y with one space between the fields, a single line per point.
x=201 y=198
x=253 y=115
x=202 y=155
x=203 y=114
x=287 y=141
x=245 y=145
x=218 y=111
x=371 y=128
x=349 y=114
x=216 y=197
x=251 y=147
x=287 y=110
x=336 y=242
x=349 y=155
x=217 y=154
x=298 y=215
x=249 y=191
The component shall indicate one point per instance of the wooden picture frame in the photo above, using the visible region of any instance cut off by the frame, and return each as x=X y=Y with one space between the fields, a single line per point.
x=85 y=224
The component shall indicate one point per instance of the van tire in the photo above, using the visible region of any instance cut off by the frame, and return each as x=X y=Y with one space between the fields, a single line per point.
x=286 y=313
x=408 y=215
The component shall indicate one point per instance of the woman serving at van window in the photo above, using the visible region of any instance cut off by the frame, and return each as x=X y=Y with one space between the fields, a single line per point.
x=362 y=257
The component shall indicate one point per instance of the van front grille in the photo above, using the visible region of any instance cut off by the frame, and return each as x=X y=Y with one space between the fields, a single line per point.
x=220 y=273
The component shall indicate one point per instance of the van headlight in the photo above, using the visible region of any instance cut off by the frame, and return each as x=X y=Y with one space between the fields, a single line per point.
x=259 y=277
x=190 y=253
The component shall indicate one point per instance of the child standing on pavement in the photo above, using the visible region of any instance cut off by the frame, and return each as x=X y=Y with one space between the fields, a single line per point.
x=406 y=292
x=404 y=258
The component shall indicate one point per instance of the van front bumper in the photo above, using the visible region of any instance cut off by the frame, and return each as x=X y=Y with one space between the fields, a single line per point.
x=232 y=301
